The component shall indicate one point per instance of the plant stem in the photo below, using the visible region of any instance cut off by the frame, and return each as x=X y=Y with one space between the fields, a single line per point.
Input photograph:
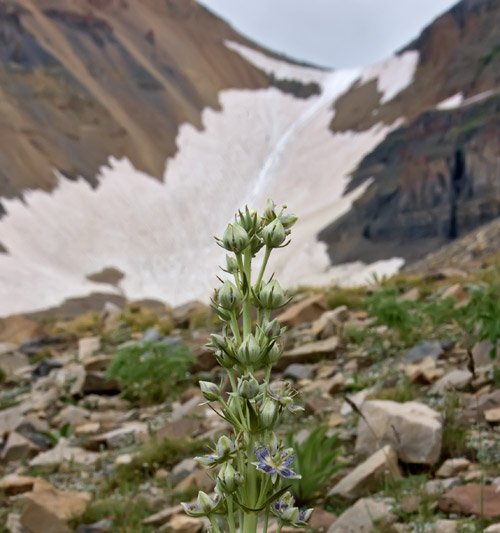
x=215 y=526
x=266 y=520
x=263 y=267
x=230 y=515
x=280 y=527
x=235 y=328
x=247 y=303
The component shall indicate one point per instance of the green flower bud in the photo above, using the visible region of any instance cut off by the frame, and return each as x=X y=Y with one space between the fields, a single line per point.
x=204 y=502
x=232 y=265
x=225 y=446
x=290 y=515
x=269 y=212
x=272 y=329
x=273 y=234
x=249 y=351
x=275 y=352
x=235 y=238
x=268 y=413
x=228 y=478
x=210 y=390
x=229 y=296
x=248 y=387
x=271 y=296
x=288 y=221
x=249 y=220
x=218 y=341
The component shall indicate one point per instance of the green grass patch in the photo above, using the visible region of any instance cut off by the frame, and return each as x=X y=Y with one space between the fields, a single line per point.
x=150 y=373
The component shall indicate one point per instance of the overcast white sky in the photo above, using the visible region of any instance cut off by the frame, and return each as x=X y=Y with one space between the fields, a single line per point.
x=334 y=33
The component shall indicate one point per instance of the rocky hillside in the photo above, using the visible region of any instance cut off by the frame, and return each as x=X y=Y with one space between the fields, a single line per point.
x=437 y=176
x=100 y=415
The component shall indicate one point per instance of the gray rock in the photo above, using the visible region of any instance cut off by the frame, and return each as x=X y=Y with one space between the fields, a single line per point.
x=183 y=469
x=424 y=349
x=412 y=428
x=368 y=475
x=362 y=516
x=454 y=380
x=298 y=371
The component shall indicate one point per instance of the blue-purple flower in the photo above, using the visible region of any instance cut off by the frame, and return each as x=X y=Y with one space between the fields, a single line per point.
x=285 y=510
x=275 y=462
x=224 y=450
x=205 y=505
x=285 y=398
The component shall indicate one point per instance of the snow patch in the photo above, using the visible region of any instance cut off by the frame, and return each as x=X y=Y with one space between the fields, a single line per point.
x=159 y=234
x=393 y=75
x=281 y=70
x=452 y=102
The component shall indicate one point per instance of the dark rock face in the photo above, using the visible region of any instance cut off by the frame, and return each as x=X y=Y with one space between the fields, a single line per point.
x=437 y=177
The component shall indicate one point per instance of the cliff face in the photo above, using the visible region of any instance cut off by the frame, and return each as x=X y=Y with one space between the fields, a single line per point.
x=438 y=176
x=84 y=80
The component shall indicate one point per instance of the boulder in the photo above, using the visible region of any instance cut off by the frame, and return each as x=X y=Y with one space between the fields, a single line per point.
x=13 y=484
x=412 y=428
x=48 y=509
x=330 y=323
x=87 y=347
x=424 y=349
x=368 y=475
x=126 y=435
x=423 y=372
x=64 y=452
x=307 y=310
x=452 y=467
x=309 y=353
x=18 y=448
x=473 y=412
x=455 y=380
x=362 y=516
x=472 y=499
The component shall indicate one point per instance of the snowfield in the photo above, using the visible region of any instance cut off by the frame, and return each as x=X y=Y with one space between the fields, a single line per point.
x=160 y=234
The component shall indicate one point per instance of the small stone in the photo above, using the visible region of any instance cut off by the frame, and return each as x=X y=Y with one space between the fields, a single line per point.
x=72 y=415
x=321 y=520
x=454 y=380
x=472 y=499
x=368 y=475
x=307 y=310
x=98 y=363
x=127 y=435
x=494 y=528
x=87 y=347
x=424 y=372
x=455 y=291
x=63 y=452
x=424 y=349
x=445 y=526
x=14 y=484
x=162 y=516
x=410 y=503
x=13 y=524
x=298 y=371
x=492 y=415
x=18 y=448
x=362 y=516
x=330 y=323
x=452 y=467
x=413 y=295
x=124 y=459
x=90 y=428
x=180 y=523
x=183 y=469
x=335 y=420
x=309 y=353
x=103 y=526
x=49 y=509
x=435 y=487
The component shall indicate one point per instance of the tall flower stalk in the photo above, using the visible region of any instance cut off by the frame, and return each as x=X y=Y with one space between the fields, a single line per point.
x=251 y=467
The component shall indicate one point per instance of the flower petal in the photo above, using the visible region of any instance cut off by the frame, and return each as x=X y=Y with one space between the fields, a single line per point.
x=262 y=453
x=288 y=474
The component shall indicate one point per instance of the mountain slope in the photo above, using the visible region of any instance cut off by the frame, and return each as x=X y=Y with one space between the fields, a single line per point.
x=98 y=100
x=436 y=177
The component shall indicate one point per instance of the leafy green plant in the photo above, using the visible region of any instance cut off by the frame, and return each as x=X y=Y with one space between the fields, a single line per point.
x=149 y=373
x=480 y=318
x=317 y=456
x=56 y=435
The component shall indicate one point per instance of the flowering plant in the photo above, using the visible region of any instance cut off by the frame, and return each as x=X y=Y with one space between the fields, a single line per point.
x=253 y=465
